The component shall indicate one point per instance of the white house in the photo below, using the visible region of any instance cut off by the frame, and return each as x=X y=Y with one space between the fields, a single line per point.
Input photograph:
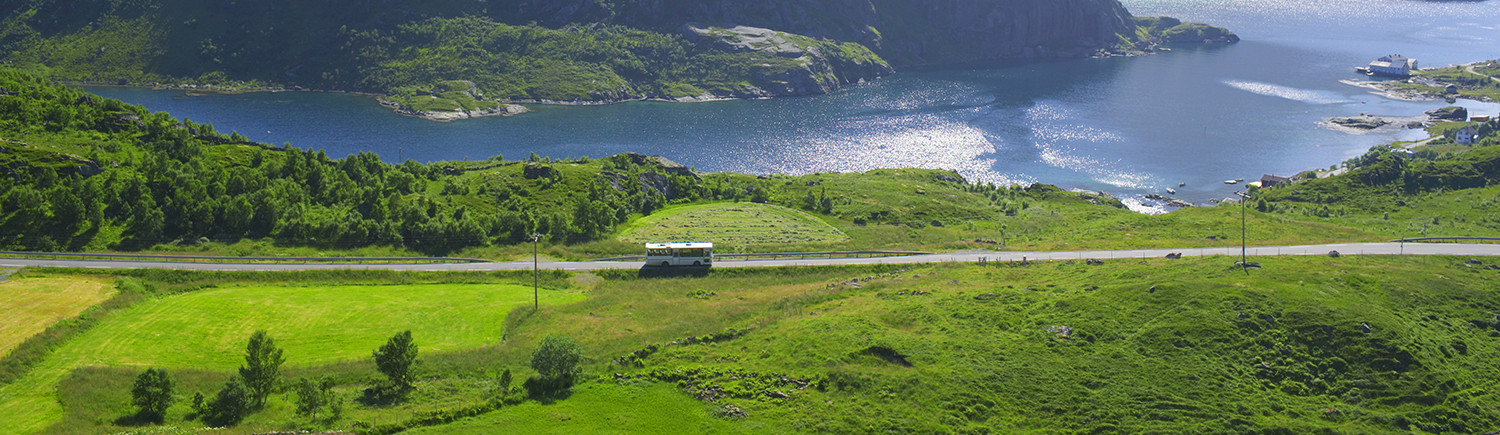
x=1466 y=135
x=1394 y=65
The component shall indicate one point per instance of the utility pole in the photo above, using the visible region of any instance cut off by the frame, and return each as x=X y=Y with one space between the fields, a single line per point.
x=1244 y=258
x=535 y=282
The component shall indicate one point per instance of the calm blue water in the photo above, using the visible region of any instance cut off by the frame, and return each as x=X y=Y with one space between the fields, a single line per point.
x=1129 y=126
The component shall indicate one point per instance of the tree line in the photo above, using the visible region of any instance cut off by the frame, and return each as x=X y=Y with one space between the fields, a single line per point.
x=557 y=361
x=134 y=179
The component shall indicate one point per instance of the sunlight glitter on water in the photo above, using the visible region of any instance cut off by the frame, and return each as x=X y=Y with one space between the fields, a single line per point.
x=1054 y=128
x=1290 y=93
x=922 y=141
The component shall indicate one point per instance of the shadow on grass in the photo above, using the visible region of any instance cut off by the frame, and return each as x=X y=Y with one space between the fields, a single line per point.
x=139 y=418
x=548 y=391
x=672 y=271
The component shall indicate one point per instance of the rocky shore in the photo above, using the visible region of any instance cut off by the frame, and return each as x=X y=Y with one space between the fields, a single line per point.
x=1367 y=123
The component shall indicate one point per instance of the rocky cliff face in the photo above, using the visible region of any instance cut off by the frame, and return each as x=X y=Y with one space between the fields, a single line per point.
x=820 y=66
x=905 y=32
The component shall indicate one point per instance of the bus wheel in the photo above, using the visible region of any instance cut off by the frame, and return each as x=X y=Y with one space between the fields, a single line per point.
x=665 y=264
x=697 y=264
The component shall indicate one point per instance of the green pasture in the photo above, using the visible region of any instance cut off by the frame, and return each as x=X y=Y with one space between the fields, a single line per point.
x=604 y=408
x=314 y=324
x=1304 y=345
x=208 y=329
x=732 y=225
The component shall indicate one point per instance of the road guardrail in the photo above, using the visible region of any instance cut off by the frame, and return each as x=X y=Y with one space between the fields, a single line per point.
x=211 y=259
x=783 y=255
x=1454 y=239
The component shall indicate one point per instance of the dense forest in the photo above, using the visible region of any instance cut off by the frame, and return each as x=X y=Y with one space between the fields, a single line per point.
x=77 y=168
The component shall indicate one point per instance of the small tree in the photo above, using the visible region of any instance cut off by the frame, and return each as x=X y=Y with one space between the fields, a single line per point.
x=396 y=358
x=262 y=366
x=230 y=406
x=557 y=359
x=199 y=406
x=313 y=397
x=153 y=394
x=505 y=381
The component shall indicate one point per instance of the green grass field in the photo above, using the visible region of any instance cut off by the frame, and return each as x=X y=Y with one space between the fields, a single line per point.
x=315 y=324
x=604 y=408
x=732 y=225
x=1307 y=344
x=207 y=330
x=31 y=304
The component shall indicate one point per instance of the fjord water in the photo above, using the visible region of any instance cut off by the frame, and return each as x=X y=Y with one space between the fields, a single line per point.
x=1129 y=126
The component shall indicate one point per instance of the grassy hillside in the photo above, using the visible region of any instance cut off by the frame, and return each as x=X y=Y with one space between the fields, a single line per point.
x=1439 y=188
x=1339 y=345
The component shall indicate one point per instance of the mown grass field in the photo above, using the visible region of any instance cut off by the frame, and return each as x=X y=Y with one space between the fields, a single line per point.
x=31 y=304
x=1305 y=345
x=206 y=330
x=732 y=225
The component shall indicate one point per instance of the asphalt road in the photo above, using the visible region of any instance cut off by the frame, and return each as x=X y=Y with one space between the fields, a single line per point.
x=1451 y=249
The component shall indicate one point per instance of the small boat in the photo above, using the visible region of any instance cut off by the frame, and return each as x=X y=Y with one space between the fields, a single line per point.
x=1181 y=184
x=1171 y=191
x=1237 y=180
x=1231 y=181
x=1362 y=70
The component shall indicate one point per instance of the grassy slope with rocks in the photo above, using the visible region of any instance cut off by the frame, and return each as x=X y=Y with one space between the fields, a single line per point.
x=1436 y=189
x=1337 y=345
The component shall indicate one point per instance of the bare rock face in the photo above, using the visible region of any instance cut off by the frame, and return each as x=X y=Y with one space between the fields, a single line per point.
x=823 y=66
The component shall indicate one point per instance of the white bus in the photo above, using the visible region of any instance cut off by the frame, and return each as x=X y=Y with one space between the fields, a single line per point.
x=680 y=254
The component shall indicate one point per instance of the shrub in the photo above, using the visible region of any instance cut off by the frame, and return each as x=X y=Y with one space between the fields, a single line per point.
x=557 y=360
x=314 y=397
x=230 y=406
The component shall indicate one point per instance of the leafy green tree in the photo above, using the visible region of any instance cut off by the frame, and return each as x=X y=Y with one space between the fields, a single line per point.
x=152 y=393
x=313 y=397
x=262 y=367
x=396 y=359
x=557 y=359
x=230 y=406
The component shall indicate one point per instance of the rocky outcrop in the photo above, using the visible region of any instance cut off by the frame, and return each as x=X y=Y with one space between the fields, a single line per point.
x=534 y=171
x=1172 y=30
x=1450 y=113
x=821 y=66
x=500 y=110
